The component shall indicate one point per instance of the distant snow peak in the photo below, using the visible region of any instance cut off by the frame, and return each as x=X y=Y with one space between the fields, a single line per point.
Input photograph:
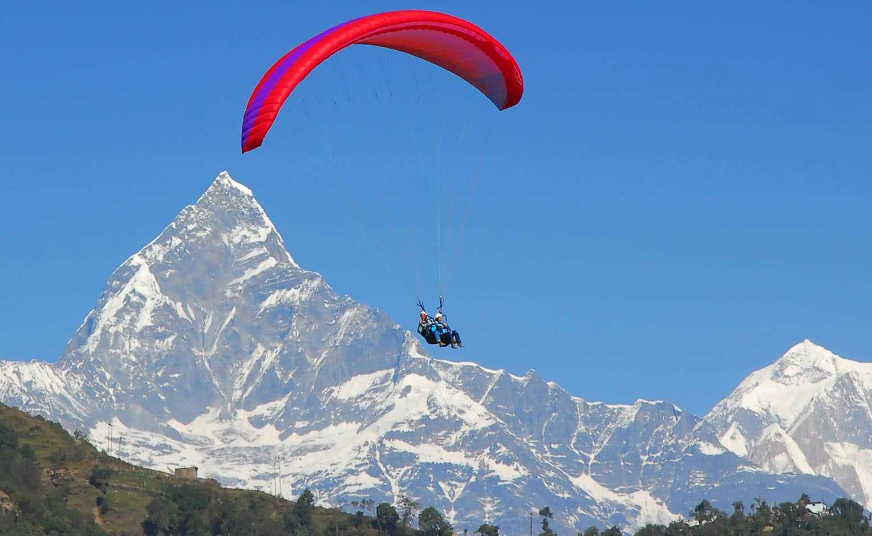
x=807 y=362
x=809 y=412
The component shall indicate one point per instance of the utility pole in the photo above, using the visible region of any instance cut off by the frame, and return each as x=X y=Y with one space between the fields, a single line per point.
x=281 y=494
x=531 y=523
x=488 y=503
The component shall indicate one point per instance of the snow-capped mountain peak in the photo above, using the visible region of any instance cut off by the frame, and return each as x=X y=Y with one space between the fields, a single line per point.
x=239 y=217
x=781 y=390
x=167 y=312
x=225 y=180
x=807 y=363
x=808 y=412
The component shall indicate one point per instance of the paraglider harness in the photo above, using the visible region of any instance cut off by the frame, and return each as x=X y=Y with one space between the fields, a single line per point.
x=431 y=329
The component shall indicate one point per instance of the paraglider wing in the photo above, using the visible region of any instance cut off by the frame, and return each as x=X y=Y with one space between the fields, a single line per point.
x=449 y=42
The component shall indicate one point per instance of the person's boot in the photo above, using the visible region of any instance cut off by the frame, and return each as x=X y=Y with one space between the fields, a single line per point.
x=454 y=345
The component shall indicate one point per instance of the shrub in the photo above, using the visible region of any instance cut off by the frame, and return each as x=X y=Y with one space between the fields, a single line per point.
x=58 y=457
x=8 y=437
x=100 y=475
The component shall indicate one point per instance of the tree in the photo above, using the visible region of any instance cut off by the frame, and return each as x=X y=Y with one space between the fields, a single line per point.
x=546 y=528
x=58 y=458
x=409 y=507
x=704 y=512
x=678 y=528
x=28 y=453
x=190 y=499
x=8 y=437
x=431 y=523
x=613 y=531
x=738 y=509
x=100 y=475
x=307 y=498
x=106 y=503
x=20 y=470
x=303 y=511
x=762 y=514
x=849 y=514
x=357 y=520
x=738 y=520
x=367 y=505
x=591 y=531
x=651 y=530
x=790 y=514
x=488 y=530
x=386 y=516
x=160 y=517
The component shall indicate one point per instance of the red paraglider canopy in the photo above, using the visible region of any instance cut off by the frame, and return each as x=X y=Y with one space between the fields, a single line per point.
x=449 y=42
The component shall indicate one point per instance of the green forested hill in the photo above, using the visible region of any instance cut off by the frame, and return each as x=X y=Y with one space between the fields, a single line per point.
x=53 y=483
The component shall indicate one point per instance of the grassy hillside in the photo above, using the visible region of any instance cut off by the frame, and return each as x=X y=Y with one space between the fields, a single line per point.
x=53 y=483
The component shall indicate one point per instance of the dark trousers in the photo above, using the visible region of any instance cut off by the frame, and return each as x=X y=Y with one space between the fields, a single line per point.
x=449 y=337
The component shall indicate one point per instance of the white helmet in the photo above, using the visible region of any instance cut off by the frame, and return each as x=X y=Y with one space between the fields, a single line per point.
x=438 y=315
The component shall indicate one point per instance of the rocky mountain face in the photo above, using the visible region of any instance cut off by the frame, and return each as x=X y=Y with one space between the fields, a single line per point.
x=810 y=412
x=212 y=347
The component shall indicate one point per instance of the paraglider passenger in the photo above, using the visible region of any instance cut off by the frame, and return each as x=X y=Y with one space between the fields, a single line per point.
x=428 y=329
x=446 y=334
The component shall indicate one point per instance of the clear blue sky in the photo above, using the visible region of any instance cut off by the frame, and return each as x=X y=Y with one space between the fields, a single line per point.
x=683 y=193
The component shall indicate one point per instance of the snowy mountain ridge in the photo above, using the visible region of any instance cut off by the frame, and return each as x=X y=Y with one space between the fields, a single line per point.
x=212 y=347
x=810 y=412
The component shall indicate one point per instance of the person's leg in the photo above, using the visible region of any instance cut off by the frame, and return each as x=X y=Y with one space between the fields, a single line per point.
x=445 y=337
x=456 y=337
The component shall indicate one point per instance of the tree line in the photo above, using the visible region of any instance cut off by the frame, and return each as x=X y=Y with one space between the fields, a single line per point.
x=801 y=518
x=843 y=518
x=195 y=510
